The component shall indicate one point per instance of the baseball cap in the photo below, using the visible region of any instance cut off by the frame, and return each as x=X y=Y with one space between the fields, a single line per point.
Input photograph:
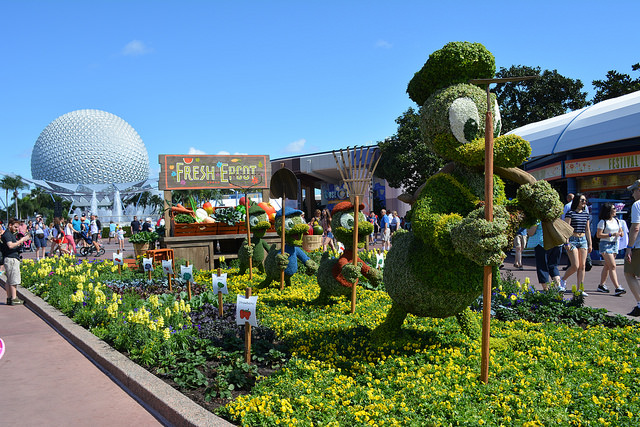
x=634 y=186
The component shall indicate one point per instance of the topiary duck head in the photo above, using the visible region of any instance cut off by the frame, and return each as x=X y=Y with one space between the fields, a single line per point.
x=258 y=220
x=294 y=225
x=342 y=222
x=453 y=111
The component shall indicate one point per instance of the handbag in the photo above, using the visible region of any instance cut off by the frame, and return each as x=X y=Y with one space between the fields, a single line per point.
x=588 y=265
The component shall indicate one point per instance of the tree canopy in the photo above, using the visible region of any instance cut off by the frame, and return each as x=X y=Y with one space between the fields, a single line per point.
x=529 y=101
x=405 y=160
x=616 y=84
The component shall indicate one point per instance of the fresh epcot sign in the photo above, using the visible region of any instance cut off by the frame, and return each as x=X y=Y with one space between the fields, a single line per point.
x=185 y=172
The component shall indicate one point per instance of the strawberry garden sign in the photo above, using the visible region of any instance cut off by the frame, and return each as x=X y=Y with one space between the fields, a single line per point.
x=187 y=172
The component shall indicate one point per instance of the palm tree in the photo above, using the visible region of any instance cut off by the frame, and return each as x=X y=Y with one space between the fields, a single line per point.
x=14 y=183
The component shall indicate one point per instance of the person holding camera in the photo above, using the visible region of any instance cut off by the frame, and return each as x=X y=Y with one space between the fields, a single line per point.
x=11 y=252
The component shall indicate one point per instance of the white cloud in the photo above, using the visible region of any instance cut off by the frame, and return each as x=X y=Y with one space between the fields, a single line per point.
x=193 y=150
x=295 y=146
x=383 y=44
x=226 y=153
x=136 y=48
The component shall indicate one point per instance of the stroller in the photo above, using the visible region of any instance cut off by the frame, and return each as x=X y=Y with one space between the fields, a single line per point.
x=26 y=246
x=90 y=248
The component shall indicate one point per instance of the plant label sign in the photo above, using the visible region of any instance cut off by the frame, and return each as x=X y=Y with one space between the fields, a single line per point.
x=186 y=273
x=118 y=259
x=379 y=261
x=147 y=264
x=219 y=283
x=167 y=266
x=340 y=248
x=246 y=310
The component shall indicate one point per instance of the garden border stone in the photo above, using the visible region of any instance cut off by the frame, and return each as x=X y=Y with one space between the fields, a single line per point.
x=163 y=400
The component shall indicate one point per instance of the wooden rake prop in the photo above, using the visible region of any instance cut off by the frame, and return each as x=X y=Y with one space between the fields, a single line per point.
x=356 y=173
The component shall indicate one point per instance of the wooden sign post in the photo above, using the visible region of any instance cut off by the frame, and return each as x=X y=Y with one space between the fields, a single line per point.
x=246 y=316
x=356 y=174
x=247 y=334
x=488 y=215
x=189 y=284
x=247 y=220
x=220 y=309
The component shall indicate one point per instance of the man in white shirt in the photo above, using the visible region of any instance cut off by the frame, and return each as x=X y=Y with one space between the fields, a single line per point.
x=632 y=255
x=567 y=207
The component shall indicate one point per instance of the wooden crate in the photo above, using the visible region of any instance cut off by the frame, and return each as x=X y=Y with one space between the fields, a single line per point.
x=195 y=229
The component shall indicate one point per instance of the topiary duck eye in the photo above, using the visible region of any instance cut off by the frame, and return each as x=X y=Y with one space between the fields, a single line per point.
x=497 y=119
x=253 y=220
x=288 y=224
x=464 y=120
x=346 y=221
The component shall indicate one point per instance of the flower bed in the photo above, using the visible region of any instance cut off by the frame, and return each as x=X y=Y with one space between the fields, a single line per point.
x=332 y=374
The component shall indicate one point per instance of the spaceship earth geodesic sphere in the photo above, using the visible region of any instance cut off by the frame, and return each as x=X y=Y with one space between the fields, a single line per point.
x=89 y=147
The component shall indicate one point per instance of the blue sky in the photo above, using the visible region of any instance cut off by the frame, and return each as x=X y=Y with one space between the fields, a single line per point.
x=271 y=77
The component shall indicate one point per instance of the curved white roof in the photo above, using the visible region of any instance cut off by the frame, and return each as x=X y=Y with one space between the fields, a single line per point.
x=607 y=121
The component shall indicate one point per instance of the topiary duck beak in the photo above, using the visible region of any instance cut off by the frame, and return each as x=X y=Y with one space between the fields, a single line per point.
x=508 y=151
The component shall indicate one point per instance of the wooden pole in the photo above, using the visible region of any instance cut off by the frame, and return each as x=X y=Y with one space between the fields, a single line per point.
x=119 y=265
x=488 y=214
x=189 y=284
x=282 y=239
x=247 y=334
x=169 y=280
x=220 y=309
x=246 y=202
x=355 y=250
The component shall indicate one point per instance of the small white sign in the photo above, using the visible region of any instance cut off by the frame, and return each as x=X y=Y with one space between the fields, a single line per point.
x=219 y=283
x=340 y=248
x=379 y=261
x=246 y=310
x=167 y=266
x=186 y=273
x=147 y=264
x=118 y=259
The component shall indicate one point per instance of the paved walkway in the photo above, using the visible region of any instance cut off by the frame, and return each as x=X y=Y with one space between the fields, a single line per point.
x=48 y=375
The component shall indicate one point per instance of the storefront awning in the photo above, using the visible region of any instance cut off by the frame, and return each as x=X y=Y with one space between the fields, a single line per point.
x=607 y=121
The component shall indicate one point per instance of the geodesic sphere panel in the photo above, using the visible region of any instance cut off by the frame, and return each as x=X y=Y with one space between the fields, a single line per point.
x=89 y=147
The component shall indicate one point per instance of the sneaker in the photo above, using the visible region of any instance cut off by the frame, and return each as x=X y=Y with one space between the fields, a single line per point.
x=603 y=288
x=563 y=285
x=635 y=312
x=584 y=294
x=14 y=301
x=619 y=291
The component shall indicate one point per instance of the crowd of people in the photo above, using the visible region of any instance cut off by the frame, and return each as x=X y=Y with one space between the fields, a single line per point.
x=613 y=236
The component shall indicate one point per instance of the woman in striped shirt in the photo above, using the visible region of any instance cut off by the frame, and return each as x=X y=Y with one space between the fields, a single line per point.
x=579 y=244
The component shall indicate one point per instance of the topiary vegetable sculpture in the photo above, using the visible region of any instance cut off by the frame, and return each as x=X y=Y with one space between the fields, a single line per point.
x=336 y=276
x=437 y=269
x=259 y=222
x=276 y=262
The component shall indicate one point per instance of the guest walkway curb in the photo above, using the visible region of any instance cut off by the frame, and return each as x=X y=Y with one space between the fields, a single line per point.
x=172 y=406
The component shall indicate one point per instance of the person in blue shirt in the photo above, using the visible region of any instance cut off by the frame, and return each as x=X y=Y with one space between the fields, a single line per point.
x=385 y=227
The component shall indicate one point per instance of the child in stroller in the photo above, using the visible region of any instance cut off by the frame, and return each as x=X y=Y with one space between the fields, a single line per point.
x=27 y=245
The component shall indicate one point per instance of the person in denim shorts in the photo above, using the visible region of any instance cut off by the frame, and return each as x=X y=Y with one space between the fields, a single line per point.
x=579 y=244
x=609 y=232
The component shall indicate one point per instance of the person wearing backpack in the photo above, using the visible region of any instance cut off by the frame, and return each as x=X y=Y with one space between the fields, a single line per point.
x=10 y=247
x=609 y=232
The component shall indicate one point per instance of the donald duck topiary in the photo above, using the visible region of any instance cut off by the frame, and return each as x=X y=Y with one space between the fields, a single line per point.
x=336 y=276
x=259 y=223
x=276 y=262
x=436 y=270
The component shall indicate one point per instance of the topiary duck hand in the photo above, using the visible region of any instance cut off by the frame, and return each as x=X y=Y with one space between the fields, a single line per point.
x=540 y=201
x=312 y=267
x=482 y=241
x=351 y=272
x=374 y=276
x=249 y=248
x=282 y=261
